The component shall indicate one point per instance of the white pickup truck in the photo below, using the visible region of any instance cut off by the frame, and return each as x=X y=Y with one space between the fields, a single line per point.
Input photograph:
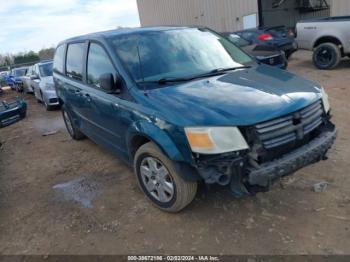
x=328 y=38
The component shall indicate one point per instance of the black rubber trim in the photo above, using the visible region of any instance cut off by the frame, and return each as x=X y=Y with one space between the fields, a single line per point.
x=290 y=163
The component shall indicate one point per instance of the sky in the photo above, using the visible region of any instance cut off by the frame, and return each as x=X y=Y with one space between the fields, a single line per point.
x=35 y=24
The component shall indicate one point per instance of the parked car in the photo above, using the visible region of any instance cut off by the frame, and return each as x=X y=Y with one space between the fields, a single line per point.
x=279 y=37
x=43 y=85
x=3 y=75
x=9 y=80
x=182 y=105
x=263 y=53
x=27 y=79
x=17 y=74
x=3 y=78
x=328 y=38
x=12 y=112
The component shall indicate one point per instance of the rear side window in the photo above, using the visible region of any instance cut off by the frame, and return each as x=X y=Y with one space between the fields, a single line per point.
x=98 y=64
x=74 y=61
x=58 y=59
x=248 y=35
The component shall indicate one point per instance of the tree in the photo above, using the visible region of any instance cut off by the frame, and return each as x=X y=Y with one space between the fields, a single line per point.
x=6 y=60
x=26 y=58
x=46 y=53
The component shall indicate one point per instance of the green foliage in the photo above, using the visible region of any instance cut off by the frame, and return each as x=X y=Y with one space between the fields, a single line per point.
x=46 y=53
x=25 y=58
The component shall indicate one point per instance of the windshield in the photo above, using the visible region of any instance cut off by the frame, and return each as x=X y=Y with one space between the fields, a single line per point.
x=177 y=53
x=19 y=72
x=46 y=69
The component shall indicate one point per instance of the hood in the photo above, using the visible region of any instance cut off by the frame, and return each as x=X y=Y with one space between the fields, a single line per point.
x=46 y=82
x=47 y=79
x=243 y=97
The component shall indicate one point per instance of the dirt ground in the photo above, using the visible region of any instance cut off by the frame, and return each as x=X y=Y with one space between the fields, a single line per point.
x=59 y=196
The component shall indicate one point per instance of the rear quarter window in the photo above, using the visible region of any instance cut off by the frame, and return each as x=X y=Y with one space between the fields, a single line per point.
x=74 y=61
x=248 y=35
x=58 y=59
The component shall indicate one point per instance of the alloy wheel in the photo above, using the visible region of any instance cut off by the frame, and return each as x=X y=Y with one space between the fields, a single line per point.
x=325 y=56
x=156 y=179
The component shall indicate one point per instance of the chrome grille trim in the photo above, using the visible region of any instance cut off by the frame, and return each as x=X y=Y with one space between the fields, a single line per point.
x=289 y=128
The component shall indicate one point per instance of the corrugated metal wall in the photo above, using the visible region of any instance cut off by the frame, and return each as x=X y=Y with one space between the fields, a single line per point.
x=287 y=13
x=220 y=15
x=227 y=15
x=340 y=7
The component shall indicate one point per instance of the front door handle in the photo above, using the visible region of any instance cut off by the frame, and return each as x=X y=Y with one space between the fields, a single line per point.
x=88 y=97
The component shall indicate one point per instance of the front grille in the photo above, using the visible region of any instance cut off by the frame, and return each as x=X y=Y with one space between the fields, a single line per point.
x=290 y=128
x=53 y=100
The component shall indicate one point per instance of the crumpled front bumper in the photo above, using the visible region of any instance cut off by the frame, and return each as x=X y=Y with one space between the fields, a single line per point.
x=12 y=112
x=308 y=154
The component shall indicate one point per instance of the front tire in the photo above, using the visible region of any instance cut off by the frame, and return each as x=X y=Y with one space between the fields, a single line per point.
x=326 y=56
x=160 y=181
x=47 y=107
x=73 y=131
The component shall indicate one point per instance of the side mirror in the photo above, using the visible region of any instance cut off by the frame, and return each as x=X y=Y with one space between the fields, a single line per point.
x=108 y=84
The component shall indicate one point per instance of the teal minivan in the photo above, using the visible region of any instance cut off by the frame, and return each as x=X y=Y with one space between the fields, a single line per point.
x=183 y=104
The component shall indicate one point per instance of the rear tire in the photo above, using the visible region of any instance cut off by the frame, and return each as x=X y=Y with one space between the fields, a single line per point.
x=72 y=129
x=161 y=183
x=326 y=56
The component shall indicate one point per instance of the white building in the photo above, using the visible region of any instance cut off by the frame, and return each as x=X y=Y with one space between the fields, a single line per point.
x=232 y=15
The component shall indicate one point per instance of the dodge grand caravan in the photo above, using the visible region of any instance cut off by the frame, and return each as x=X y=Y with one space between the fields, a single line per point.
x=182 y=105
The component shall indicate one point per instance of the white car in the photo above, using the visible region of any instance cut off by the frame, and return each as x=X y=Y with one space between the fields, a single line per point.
x=43 y=85
x=26 y=79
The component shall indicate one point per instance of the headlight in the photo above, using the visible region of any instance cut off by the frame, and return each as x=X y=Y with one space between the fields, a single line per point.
x=215 y=140
x=325 y=100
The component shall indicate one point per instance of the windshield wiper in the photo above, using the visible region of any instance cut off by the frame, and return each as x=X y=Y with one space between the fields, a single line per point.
x=219 y=70
x=185 y=79
x=165 y=80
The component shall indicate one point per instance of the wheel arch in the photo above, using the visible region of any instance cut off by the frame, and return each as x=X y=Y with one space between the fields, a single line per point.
x=143 y=132
x=329 y=39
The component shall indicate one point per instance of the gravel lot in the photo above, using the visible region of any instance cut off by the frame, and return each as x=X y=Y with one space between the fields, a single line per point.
x=59 y=196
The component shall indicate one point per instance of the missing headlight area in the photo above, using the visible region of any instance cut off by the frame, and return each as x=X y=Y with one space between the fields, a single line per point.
x=278 y=148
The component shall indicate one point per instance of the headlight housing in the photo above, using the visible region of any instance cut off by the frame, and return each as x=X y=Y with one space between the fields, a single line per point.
x=325 y=101
x=215 y=140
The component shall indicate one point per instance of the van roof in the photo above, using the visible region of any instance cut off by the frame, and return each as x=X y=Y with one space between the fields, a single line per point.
x=123 y=31
x=20 y=68
x=45 y=62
